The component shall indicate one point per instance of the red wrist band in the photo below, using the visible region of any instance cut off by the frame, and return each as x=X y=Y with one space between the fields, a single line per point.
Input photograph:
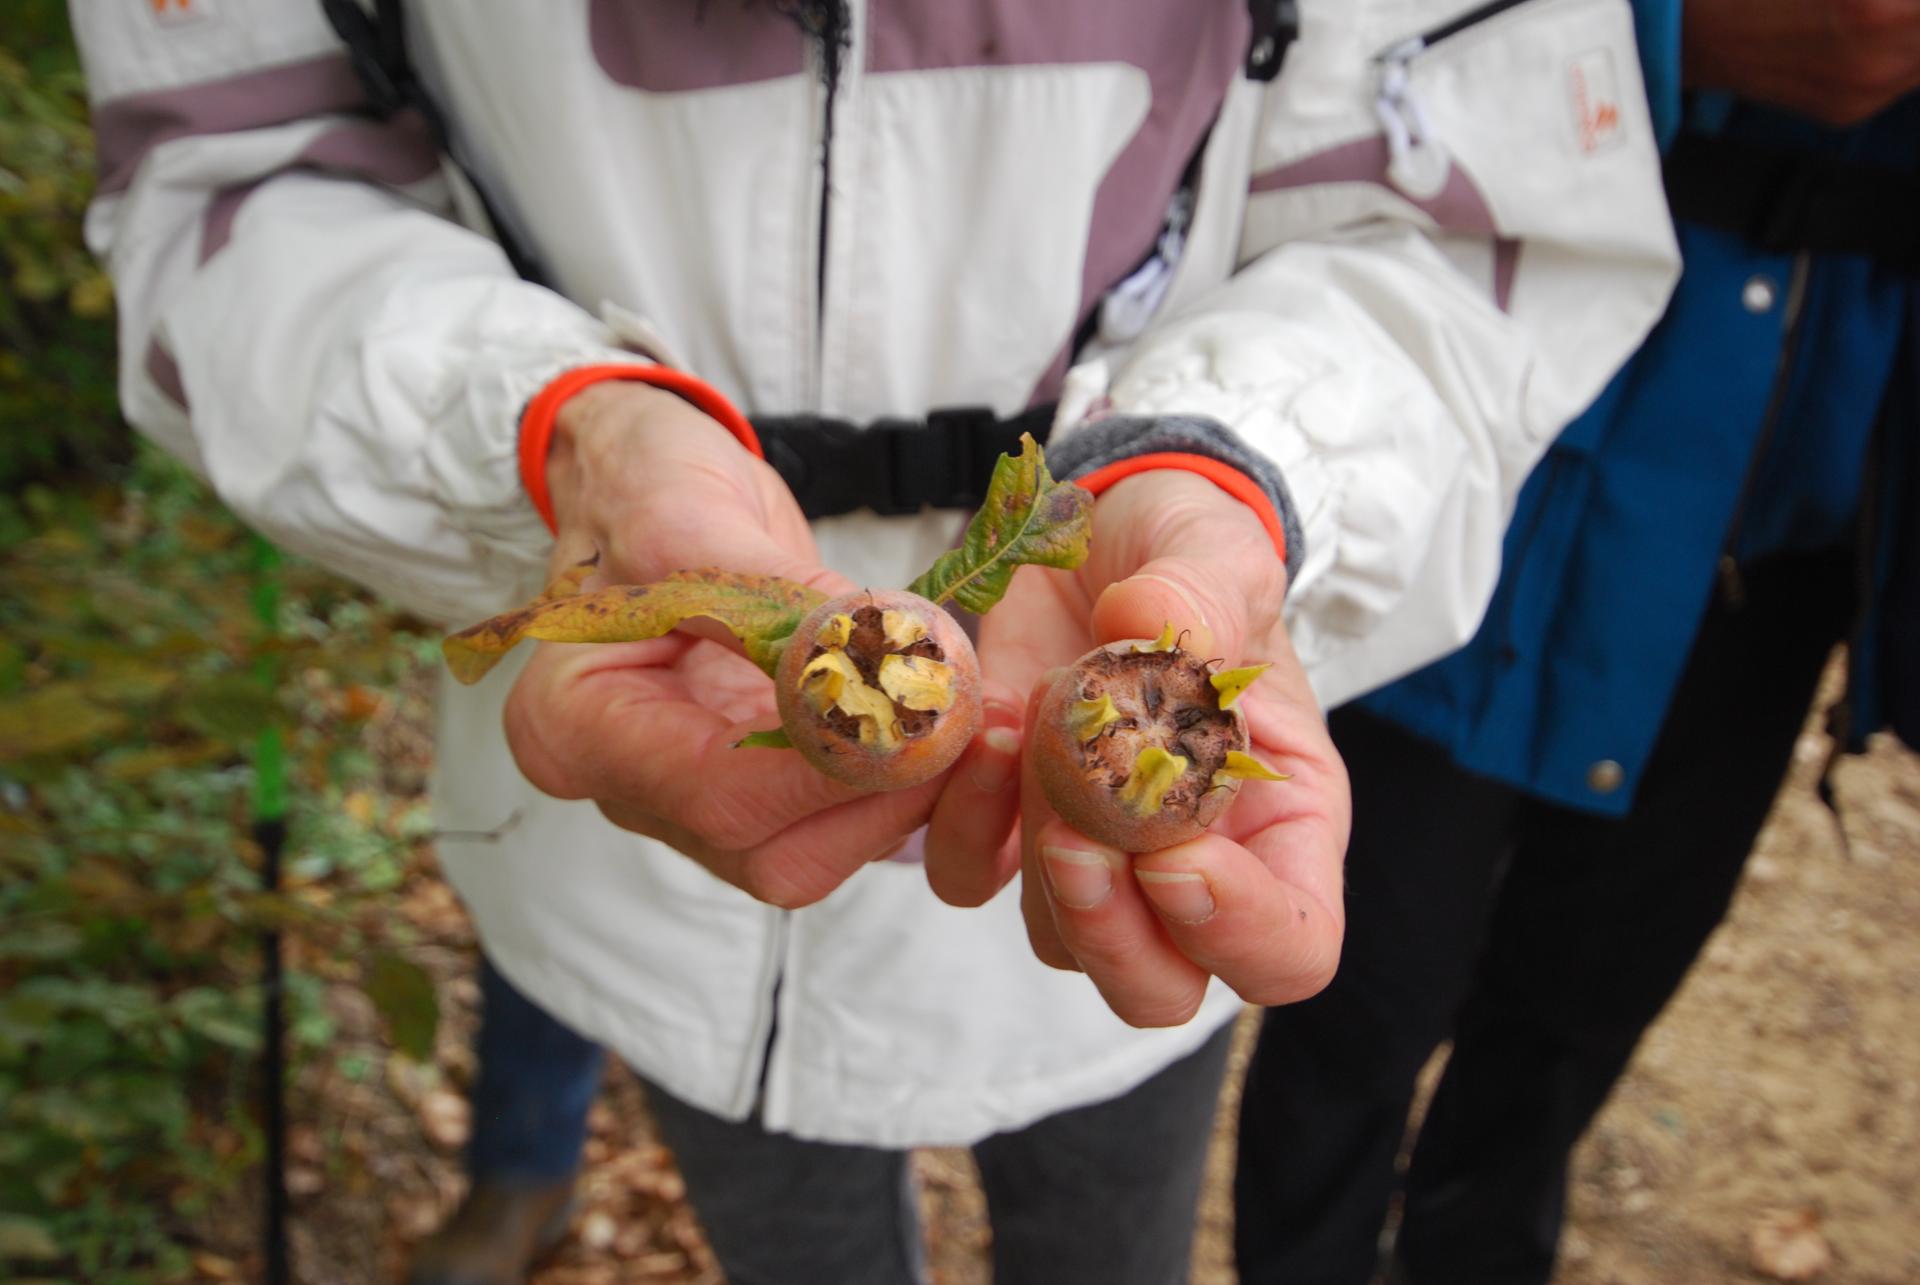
x=1225 y=476
x=536 y=425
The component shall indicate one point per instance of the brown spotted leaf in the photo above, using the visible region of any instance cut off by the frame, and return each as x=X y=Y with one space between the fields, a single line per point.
x=761 y=611
x=570 y=580
x=1027 y=518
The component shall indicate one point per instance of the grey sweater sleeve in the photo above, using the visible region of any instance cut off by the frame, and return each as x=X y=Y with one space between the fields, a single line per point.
x=1120 y=437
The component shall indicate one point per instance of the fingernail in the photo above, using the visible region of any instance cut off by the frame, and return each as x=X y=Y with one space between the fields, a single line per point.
x=1081 y=880
x=993 y=767
x=1183 y=898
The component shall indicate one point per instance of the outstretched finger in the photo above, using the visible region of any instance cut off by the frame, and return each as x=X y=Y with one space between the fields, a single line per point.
x=969 y=858
x=1034 y=812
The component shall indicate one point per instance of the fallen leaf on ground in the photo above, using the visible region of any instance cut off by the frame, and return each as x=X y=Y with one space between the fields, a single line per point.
x=212 y=1267
x=446 y=1119
x=597 y=1230
x=305 y=1181
x=1787 y=1245
x=413 y=1217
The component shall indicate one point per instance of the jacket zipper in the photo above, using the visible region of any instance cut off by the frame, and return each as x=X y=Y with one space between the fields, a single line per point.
x=1733 y=589
x=829 y=24
x=835 y=27
x=1402 y=50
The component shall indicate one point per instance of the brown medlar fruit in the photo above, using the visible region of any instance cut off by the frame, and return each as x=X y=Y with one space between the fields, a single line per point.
x=879 y=689
x=1139 y=746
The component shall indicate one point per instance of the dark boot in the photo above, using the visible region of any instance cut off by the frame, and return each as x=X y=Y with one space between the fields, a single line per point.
x=496 y=1235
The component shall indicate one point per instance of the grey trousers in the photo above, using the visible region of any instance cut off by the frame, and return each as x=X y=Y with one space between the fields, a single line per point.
x=1099 y=1195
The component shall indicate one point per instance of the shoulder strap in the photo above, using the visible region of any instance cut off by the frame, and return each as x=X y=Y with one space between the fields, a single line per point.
x=377 y=45
x=1275 y=25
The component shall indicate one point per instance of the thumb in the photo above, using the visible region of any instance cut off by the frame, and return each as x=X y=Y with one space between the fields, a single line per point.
x=1210 y=572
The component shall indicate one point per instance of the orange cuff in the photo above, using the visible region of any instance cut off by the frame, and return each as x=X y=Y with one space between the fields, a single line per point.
x=1225 y=476
x=536 y=424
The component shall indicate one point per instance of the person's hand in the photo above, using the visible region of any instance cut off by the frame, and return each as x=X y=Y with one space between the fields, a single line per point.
x=1257 y=899
x=646 y=729
x=1839 y=61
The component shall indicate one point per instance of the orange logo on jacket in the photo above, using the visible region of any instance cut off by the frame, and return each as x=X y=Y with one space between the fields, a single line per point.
x=1595 y=94
x=178 y=13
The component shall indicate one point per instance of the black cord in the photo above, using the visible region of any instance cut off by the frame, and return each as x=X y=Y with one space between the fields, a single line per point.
x=271 y=835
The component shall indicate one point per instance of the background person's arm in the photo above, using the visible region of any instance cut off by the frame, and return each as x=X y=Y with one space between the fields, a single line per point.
x=1838 y=61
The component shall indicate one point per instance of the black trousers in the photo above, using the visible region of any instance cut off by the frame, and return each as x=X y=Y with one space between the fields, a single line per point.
x=1103 y=1194
x=1541 y=940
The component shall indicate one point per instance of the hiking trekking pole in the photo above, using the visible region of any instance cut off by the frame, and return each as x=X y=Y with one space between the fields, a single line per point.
x=270 y=833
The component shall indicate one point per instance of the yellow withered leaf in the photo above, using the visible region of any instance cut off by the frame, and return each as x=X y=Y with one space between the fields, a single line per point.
x=1167 y=641
x=1088 y=719
x=830 y=681
x=917 y=682
x=569 y=581
x=761 y=611
x=1231 y=682
x=1245 y=767
x=836 y=632
x=902 y=628
x=1154 y=773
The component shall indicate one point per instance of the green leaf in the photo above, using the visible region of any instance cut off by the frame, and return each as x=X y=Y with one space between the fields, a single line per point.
x=776 y=739
x=26 y=1239
x=403 y=993
x=1027 y=519
x=57 y=717
x=41 y=939
x=231 y=707
x=215 y=1015
x=761 y=611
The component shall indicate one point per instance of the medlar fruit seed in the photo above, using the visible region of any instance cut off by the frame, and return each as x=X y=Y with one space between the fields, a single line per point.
x=879 y=689
x=1138 y=745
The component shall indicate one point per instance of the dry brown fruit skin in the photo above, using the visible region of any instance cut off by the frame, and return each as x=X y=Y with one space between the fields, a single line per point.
x=1131 y=744
x=879 y=689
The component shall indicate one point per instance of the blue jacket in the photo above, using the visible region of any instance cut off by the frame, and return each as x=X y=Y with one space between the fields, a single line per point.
x=1614 y=547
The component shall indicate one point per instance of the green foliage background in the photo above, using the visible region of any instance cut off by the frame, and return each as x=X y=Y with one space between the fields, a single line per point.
x=56 y=328
x=135 y=684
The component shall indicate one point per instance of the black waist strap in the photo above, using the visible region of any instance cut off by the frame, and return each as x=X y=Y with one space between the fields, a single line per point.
x=1785 y=202
x=894 y=466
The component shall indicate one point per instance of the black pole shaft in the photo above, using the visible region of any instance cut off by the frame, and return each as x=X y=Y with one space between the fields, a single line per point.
x=271 y=835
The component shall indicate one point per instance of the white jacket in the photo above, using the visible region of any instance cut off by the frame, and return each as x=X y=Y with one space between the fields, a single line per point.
x=1402 y=277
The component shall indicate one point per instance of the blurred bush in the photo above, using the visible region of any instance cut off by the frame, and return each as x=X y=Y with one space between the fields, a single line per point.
x=135 y=682
x=56 y=306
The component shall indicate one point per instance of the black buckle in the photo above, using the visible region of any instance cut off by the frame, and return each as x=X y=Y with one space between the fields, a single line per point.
x=382 y=83
x=894 y=466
